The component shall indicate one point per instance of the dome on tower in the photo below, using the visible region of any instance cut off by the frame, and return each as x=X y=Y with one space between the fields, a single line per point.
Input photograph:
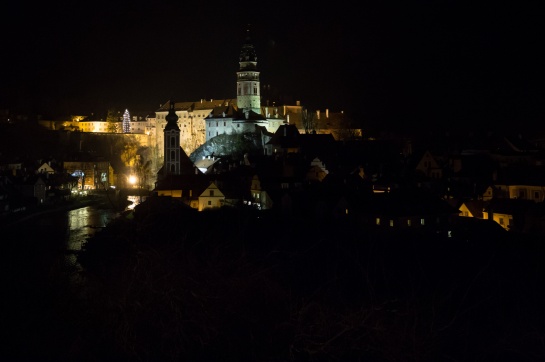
x=247 y=53
x=172 y=118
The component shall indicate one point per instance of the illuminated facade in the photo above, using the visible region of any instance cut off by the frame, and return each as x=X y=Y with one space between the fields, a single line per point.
x=92 y=175
x=199 y=121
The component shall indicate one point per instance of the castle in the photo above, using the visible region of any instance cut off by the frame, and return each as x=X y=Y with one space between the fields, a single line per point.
x=200 y=121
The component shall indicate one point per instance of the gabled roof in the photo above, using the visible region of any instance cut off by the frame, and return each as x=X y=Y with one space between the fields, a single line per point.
x=235 y=114
x=334 y=120
x=221 y=111
x=320 y=145
x=248 y=116
x=45 y=167
x=236 y=182
x=509 y=206
x=475 y=207
x=521 y=175
x=186 y=165
x=205 y=164
x=203 y=104
x=32 y=180
x=195 y=182
x=519 y=144
x=407 y=203
x=286 y=136
x=211 y=186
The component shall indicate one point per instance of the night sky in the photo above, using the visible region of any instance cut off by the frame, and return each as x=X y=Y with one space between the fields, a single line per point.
x=391 y=63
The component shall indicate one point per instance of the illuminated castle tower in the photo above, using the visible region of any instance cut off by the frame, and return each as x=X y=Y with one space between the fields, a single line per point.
x=248 y=94
x=247 y=114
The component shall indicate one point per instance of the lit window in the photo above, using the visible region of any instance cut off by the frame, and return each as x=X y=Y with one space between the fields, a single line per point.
x=409 y=222
x=391 y=222
x=377 y=221
x=422 y=222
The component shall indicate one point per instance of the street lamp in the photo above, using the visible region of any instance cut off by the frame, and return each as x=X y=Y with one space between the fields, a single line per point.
x=133 y=180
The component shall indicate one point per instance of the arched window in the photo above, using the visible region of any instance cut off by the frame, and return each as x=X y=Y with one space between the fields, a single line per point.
x=172 y=155
x=172 y=141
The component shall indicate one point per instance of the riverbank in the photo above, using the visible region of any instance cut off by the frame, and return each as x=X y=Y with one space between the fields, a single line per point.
x=99 y=200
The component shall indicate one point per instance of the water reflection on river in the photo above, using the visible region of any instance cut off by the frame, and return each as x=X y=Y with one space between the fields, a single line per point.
x=85 y=222
x=39 y=274
x=82 y=224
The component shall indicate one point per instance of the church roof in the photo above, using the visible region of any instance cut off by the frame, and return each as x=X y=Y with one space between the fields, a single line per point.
x=172 y=119
x=236 y=114
x=197 y=105
x=248 y=116
x=187 y=167
x=195 y=182
x=228 y=110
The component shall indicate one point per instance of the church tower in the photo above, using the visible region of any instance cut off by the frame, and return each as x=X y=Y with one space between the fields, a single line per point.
x=171 y=141
x=248 y=88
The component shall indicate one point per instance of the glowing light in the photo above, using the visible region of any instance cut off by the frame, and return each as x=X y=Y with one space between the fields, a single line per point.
x=132 y=180
x=126 y=122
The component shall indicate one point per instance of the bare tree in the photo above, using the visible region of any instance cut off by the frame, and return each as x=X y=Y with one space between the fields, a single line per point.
x=112 y=119
x=309 y=120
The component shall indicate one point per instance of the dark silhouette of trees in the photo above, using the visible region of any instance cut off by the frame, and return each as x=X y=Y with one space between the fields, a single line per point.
x=259 y=287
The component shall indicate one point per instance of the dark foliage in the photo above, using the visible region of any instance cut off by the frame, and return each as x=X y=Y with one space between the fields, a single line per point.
x=170 y=283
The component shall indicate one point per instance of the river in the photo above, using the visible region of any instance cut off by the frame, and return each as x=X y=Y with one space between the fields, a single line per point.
x=39 y=273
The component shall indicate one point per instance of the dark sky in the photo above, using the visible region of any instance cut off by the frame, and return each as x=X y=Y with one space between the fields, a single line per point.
x=385 y=63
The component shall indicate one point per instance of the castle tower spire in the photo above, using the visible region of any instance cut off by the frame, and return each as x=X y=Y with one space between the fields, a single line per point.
x=248 y=86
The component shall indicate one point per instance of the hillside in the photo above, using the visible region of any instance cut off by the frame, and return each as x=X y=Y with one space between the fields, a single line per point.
x=171 y=283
